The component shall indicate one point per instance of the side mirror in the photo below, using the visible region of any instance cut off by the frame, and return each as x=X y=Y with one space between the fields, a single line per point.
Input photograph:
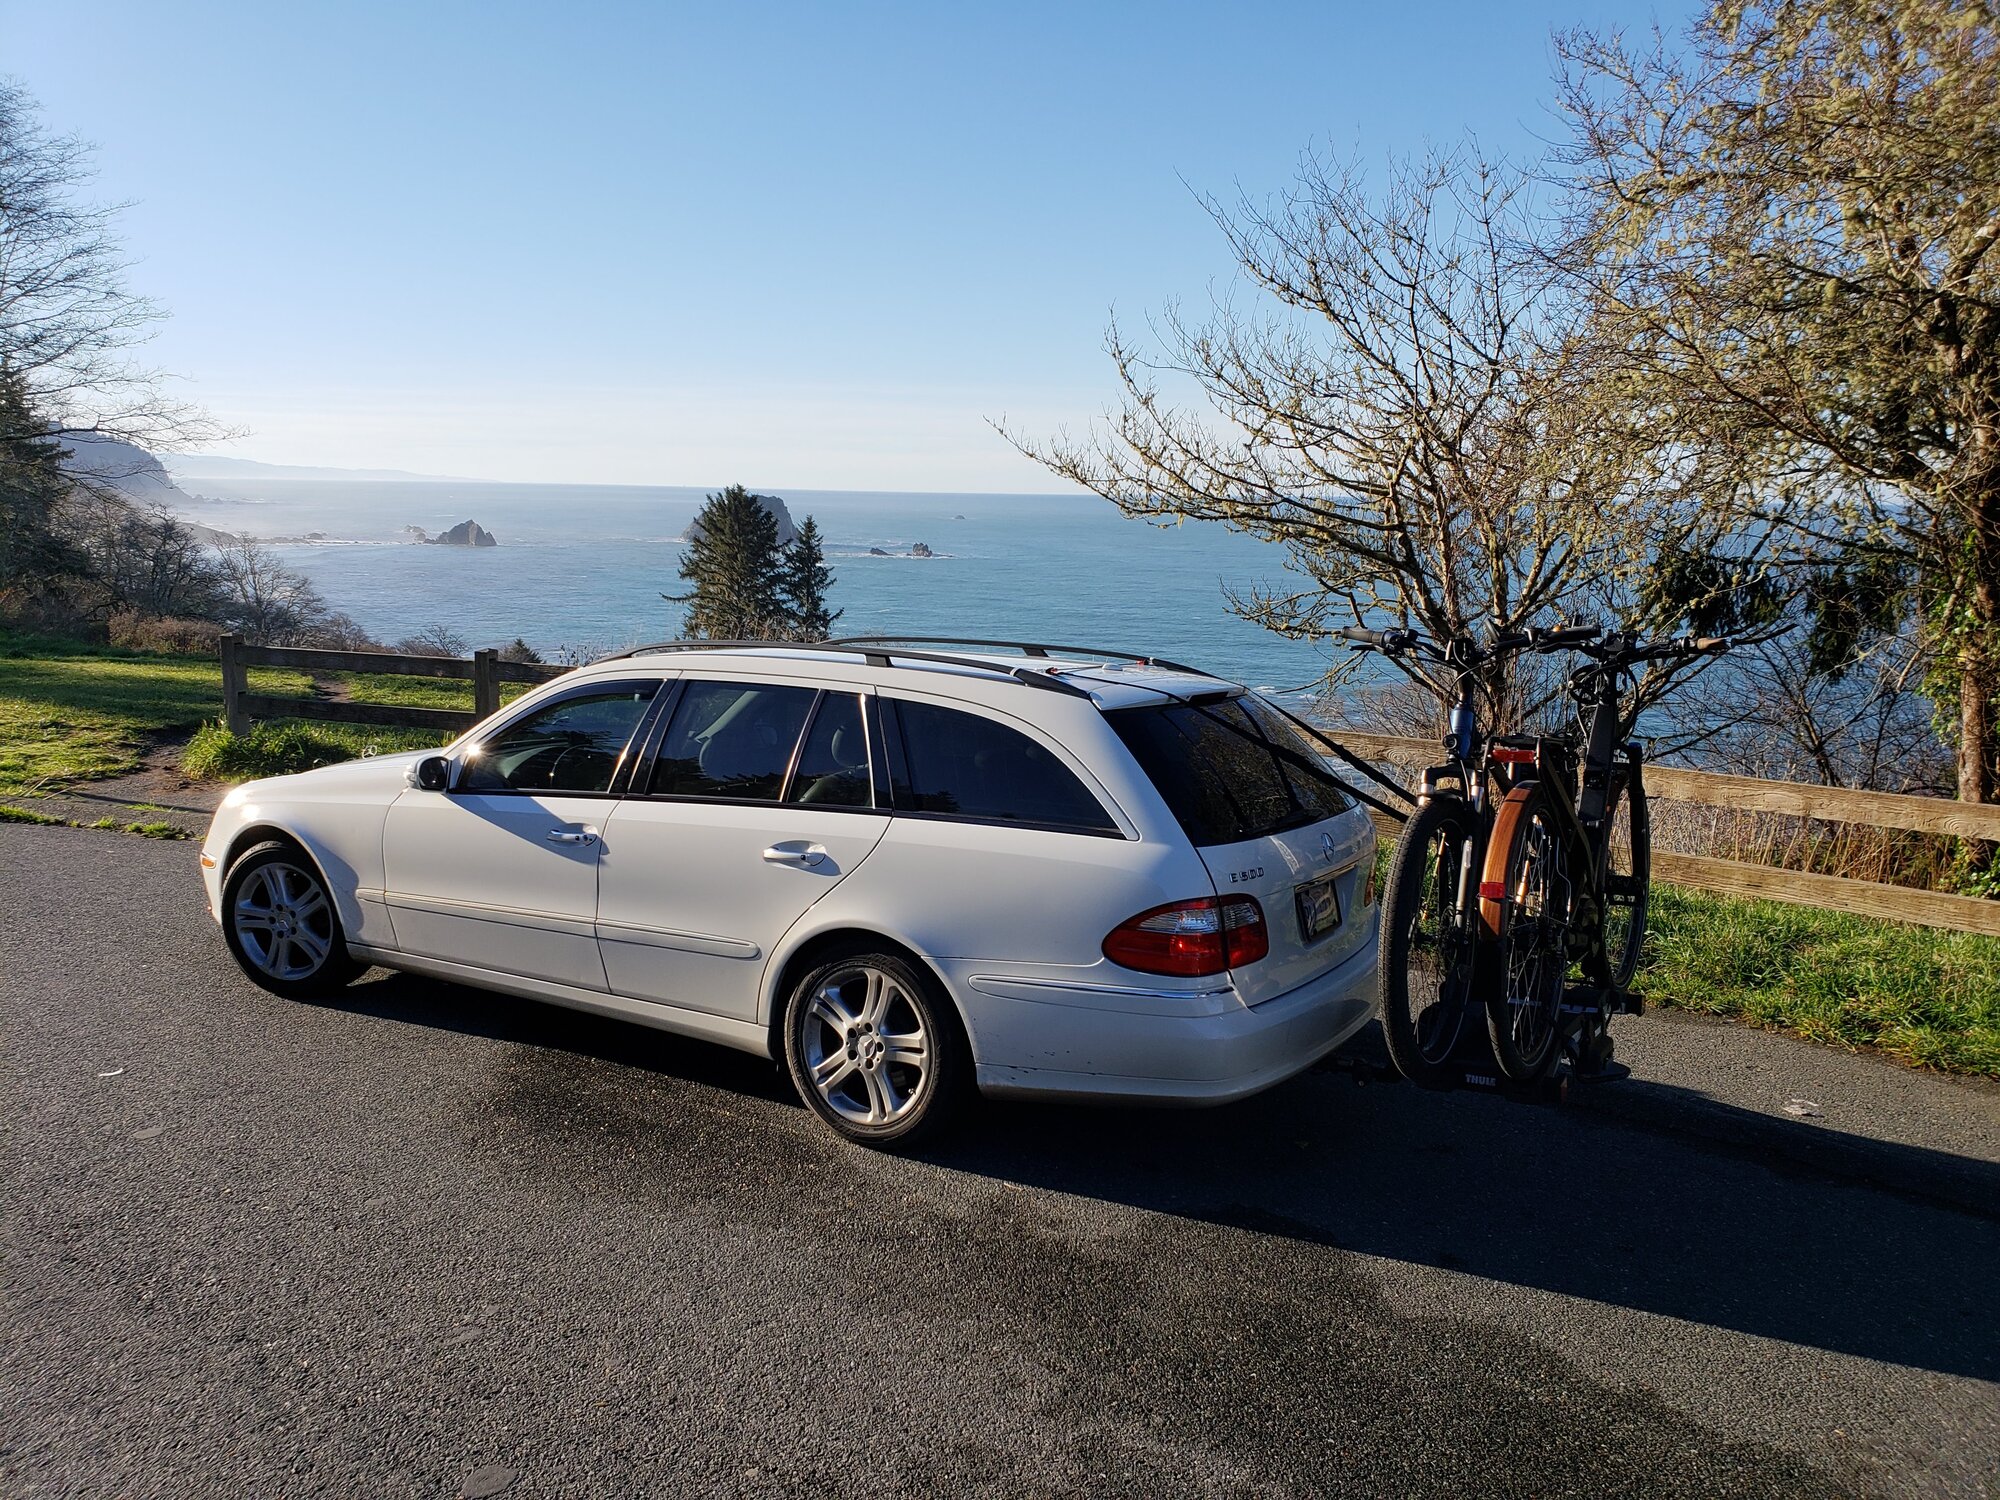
x=431 y=774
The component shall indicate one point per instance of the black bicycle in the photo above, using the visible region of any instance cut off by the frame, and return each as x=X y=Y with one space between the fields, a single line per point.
x=1566 y=875
x=1430 y=903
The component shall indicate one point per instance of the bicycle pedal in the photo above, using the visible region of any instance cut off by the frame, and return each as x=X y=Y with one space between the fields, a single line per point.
x=1631 y=1004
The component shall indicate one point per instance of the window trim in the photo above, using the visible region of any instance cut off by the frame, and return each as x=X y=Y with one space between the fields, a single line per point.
x=639 y=783
x=899 y=776
x=621 y=774
x=862 y=703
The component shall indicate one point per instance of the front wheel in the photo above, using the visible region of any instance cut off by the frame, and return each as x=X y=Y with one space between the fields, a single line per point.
x=1628 y=871
x=281 y=925
x=874 y=1048
x=1525 y=900
x=1426 y=950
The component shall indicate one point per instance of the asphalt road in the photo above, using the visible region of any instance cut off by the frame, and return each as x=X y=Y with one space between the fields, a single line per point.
x=433 y=1242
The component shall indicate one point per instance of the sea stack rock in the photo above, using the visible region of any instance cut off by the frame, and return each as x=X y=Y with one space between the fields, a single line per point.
x=465 y=534
x=787 y=532
x=921 y=549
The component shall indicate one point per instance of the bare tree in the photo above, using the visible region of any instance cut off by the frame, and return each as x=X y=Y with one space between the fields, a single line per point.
x=68 y=322
x=1789 y=227
x=1417 y=420
x=270 y=603
x=433 y=640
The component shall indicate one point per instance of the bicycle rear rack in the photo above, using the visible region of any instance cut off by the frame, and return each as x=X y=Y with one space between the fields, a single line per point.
x=1473 y=1066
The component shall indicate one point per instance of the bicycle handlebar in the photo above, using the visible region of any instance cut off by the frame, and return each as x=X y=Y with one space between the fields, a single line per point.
x=1381 y=640
x=1565 y=635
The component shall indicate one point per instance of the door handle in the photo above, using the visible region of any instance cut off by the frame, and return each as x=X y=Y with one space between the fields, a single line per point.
x=572 y=836
x=802 y=854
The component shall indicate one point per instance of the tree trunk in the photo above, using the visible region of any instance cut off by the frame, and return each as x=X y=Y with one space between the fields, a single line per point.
x=1979 y=652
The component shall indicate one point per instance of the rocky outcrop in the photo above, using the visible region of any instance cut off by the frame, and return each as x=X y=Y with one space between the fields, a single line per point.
x=787 y=532
x=921 y=549
x=111 y=466
x=464 y=534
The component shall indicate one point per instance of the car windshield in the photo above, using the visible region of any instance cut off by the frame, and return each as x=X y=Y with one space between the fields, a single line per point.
x=1230 y=770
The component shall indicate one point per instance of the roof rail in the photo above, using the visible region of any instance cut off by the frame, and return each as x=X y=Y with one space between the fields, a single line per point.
x=874 y=654
x=1026 y=648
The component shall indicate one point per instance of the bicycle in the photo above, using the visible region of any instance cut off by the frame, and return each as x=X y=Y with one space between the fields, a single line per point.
x=1565 y=878
x=1431 y=934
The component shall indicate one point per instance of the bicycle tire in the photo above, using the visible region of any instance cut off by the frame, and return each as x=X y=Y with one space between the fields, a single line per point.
x=1526 y=869
x=1615 y=959
x=1426 y=1023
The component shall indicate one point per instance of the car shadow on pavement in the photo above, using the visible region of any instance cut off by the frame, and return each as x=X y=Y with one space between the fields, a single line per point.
x=419 y=1001
x=1567 y=1200
x=1573 y=1200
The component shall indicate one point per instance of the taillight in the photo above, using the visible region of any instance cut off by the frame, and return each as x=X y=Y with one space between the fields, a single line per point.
x=1192 y=938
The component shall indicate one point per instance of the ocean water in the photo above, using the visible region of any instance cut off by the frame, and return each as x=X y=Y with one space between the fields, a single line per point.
x=581 y=568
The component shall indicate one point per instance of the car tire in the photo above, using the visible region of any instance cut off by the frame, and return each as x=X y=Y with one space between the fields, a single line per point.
x=282 y=926
x=874 y=1047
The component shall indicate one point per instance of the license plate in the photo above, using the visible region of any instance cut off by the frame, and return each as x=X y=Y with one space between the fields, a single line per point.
x=1319 y=907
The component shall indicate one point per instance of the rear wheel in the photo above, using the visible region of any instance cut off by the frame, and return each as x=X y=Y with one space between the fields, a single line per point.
x=1426 y=953
x=1528 y=918
x=874 y=1048
x=1628 y=873
x=281 y=924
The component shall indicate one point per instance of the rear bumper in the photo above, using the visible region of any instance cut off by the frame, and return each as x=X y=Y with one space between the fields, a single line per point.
x=1073 y=1051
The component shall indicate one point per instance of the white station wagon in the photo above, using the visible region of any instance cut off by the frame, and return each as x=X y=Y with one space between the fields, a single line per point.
x=906 y=871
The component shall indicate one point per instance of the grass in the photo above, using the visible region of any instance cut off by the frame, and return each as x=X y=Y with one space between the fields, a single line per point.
x=285 y=746
x=143 y=830
x=73 y=713
x=81 y=714
x=22 y=815
x=1925 y=997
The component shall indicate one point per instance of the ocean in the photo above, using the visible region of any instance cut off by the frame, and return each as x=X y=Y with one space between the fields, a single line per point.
x=580 y=568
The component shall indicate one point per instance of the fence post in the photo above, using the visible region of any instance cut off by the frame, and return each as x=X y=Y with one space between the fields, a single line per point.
x=486 y=681
x=235 y=681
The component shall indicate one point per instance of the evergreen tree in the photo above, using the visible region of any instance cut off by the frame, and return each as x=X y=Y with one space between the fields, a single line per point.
x=803 y=583
x=734 y=564
x=35 y=556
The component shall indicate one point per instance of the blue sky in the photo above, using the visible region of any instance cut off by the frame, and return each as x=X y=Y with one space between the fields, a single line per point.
x=810 y=245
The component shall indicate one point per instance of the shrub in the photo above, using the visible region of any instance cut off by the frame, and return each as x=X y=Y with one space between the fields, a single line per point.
x=214 y=754
x=163 y=634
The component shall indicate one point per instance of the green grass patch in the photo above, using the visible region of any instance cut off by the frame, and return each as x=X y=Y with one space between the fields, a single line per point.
x=285 y=746
x=86 y=714
x=1927 y=997
x=22 y=815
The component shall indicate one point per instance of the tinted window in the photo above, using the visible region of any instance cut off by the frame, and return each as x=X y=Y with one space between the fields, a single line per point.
x=731 y=739
x=570 y=746
x=968 y=765
x=833 y=766
x=1230 y=770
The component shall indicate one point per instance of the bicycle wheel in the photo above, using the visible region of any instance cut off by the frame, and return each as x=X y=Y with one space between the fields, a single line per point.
x=1426 y=952
x=1527 y=916
x=1628 y=872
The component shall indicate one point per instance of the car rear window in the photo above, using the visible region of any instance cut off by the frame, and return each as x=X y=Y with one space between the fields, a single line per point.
x=965 y=765
x=1230 y=770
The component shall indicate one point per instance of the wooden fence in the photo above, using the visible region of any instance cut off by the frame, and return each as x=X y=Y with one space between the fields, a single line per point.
x=484 y=670
x=1737 y=877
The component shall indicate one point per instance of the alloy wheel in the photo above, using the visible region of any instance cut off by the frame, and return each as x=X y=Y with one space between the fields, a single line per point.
x=866 y=1049
x=284 y=922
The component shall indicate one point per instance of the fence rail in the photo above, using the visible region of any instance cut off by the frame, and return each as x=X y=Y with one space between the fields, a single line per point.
x=1737 y=877
x=483 y=669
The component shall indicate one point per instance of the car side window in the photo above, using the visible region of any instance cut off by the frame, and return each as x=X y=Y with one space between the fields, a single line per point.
x=967 y=765
x=573 y=745
x=731 y=740
x=833 y=766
